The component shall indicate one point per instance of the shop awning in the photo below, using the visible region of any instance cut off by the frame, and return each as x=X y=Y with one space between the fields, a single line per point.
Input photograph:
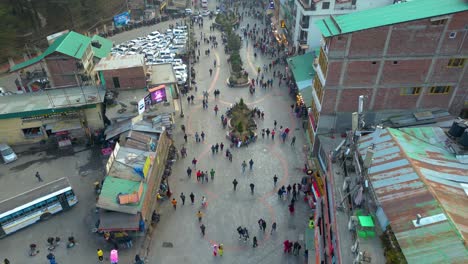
x=65 y=125
x=306 y=94
x=115 y=221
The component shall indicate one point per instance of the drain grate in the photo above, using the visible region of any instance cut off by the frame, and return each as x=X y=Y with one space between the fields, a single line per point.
x=167 y=245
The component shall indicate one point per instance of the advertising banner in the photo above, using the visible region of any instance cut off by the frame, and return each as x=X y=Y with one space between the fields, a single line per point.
x=122 y=19
x=141 y=106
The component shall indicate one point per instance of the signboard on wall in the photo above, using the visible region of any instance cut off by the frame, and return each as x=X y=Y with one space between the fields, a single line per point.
x=122 y=19
x=158 y=94
x=141 y=106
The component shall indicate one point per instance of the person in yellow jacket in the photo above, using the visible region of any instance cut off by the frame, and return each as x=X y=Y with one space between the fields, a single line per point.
x=100 y=255
x=220 y=250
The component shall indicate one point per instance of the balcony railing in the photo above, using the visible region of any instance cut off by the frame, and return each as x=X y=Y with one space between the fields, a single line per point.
x=305 y=4
x=304 y=25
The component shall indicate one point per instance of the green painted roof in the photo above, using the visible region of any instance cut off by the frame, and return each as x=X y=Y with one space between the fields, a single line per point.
x=301 y=67
x=112 y=187
x=105 y=49
x=388 y=15
x=71 y=44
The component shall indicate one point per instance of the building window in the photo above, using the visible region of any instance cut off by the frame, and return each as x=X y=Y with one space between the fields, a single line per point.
x=440 y=89
x=453 y=35
x=438 y=22
x=374 y=62
x=323 y=62
x=410 y=91
x=395 y=62
x=32 y=132
x=325 y=5
x=318 y=88
x=456 y=63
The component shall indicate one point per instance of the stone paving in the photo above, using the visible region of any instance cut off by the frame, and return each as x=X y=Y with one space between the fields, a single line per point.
x=178 y=239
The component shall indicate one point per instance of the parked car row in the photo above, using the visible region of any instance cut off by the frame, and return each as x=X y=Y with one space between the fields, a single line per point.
x=159 y=48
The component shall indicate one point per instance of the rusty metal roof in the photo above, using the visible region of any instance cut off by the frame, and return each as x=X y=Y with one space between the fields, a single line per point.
x=413 y=173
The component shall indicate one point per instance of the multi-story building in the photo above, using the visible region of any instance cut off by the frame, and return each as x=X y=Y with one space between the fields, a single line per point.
x=306 y=34
x=68 y=61
x=404 y=57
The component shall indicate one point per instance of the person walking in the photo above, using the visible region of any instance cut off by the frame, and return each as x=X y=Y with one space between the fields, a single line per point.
x=199 y=216
x=203 y=202
x=273 y=228
x=244 y=165
x=212 y=173
x=182 y=197
x=192 y=197
x=255 y=243
x=211 y=72
x=273 y=134
x=289 y=189
x=6 y=261
x=275 y=180
x=251 y=163
x=252 y=186
x=194 y=163
x=100 y=255
x=38 y=176
x=202 y=136
x=174 y=203
x=114 y=256
x=293 y=141
x=221 y=250
x=189 y=172
x=291 y=209
x=202 y=229
x=234 y=182
x=264 y=225
x=221 y=146
x=260 y=225
x=275 y=123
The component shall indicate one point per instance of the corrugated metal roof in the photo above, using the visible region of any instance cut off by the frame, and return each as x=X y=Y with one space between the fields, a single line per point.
x=120 y=62
x=301 y=67
x=127 y=162
x=72 y=44
x=413 y=173
x=388 y=15
x=105 y=49
x=112 y=187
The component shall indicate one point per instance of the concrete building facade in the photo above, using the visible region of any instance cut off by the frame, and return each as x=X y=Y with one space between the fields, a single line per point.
x=306 y=34
x=398 y=59
x=68 y=62
x=123 y=72
x=31 y=118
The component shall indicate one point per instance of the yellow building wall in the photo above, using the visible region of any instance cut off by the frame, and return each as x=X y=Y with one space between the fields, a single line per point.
x=11 y=133
x=94 y=117
x=11 y=129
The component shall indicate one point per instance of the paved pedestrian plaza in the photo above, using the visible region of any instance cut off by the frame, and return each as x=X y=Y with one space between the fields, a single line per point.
x=178 y=238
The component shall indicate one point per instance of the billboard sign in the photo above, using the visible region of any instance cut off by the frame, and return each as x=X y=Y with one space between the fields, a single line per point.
x=158 y=94
x=141 y=106
x=122 y=19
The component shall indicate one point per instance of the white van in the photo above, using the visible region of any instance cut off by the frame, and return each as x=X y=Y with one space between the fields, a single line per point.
x=7 y=153
x=166 y=53
x=179 y=32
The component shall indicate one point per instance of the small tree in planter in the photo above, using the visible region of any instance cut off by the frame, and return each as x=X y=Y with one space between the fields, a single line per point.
x=242 y=123
x=227 y=21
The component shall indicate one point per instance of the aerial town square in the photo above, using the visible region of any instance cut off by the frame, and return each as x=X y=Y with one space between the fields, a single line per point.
x=234 y=131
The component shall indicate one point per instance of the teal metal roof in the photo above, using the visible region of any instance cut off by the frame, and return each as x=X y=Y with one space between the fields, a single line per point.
x=412 y=173
x=301 y=67
x=71 y=44
x=388 y=15
x=105 y=49
x=112 y=187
